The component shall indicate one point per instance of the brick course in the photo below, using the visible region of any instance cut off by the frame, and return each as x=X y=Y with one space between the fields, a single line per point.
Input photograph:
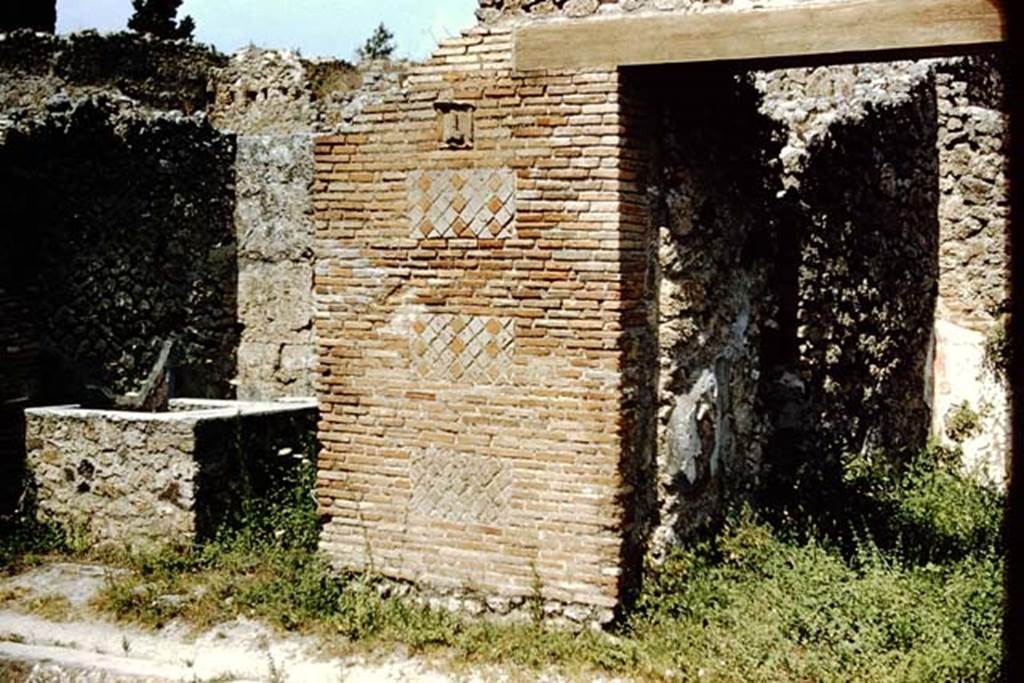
x=526 y=409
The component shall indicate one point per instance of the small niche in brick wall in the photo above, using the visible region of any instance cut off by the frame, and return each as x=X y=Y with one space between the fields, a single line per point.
x=454 y=124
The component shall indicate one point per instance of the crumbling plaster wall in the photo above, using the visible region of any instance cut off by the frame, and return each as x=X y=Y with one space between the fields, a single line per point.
x=274 y=224
x=275 y=102
x=711 y=191
x=263 y=97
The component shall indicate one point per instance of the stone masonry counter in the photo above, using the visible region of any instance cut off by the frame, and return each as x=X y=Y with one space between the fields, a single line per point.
x=142 y=478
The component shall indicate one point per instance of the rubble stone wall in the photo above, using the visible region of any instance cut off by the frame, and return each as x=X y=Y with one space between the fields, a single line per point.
x=916 y=343
x=969 y=373
x=120 y=234
x=867 y=278
x=267 y=104
x=159 y=74
x=149 y=479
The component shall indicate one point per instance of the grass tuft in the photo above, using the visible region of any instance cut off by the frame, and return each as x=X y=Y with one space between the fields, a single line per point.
x=893 y=573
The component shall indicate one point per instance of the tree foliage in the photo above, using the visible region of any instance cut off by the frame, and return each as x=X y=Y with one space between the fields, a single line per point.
x=159 y=18
x=38 y=15
x=380 y=45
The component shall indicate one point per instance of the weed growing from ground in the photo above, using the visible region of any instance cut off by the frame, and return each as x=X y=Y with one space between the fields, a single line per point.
x=899 y=577
x=24 y=540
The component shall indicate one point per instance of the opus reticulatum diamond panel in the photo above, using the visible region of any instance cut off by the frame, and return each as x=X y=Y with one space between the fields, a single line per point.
x=464 y=203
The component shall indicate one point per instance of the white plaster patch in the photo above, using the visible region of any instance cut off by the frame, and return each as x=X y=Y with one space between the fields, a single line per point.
x=959 y=377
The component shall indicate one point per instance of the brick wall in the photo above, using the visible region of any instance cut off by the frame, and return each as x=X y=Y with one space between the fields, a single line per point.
x=541 y=352
x=479 y=313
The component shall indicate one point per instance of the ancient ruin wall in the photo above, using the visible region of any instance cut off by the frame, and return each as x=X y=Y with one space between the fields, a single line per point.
x=867 y=276
x=270 y=113
x=157 y=74
x=951 y=263
x=268 y=100
x=948 y=175
x=970 y=385
x=478 y=290
x=275 y=102
x=120 y=227
x=414 y=284
x=497 y=11
x=274 y=225
x=712 y=191
x=144 y=479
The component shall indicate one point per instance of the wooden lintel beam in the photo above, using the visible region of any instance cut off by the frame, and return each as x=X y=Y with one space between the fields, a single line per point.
x=829 y=28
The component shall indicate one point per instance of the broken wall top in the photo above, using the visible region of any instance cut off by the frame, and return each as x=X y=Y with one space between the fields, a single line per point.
x=161 y=74
x=252 y=92
x=491 y=11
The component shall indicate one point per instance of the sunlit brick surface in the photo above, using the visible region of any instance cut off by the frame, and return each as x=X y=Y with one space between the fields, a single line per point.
x=475 y=310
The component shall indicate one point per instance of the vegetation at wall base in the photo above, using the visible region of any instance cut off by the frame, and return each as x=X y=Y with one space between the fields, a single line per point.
x=911 y=591
x=28 y=538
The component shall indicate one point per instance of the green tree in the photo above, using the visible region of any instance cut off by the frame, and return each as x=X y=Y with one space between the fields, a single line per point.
x=38 y=15
x=159 y=18
x=380 y=45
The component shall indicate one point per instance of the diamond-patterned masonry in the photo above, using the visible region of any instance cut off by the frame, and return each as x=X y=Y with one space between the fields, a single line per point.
x=458 y=487
x=468 y=203
x=462 y=348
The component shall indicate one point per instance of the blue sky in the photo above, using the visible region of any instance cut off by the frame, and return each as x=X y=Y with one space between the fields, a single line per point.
x=316 y=27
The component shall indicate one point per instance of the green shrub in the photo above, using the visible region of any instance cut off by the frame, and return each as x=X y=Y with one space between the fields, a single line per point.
x=963 y=422
x=998 y=349
x=24 y=538
x=899 y=578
